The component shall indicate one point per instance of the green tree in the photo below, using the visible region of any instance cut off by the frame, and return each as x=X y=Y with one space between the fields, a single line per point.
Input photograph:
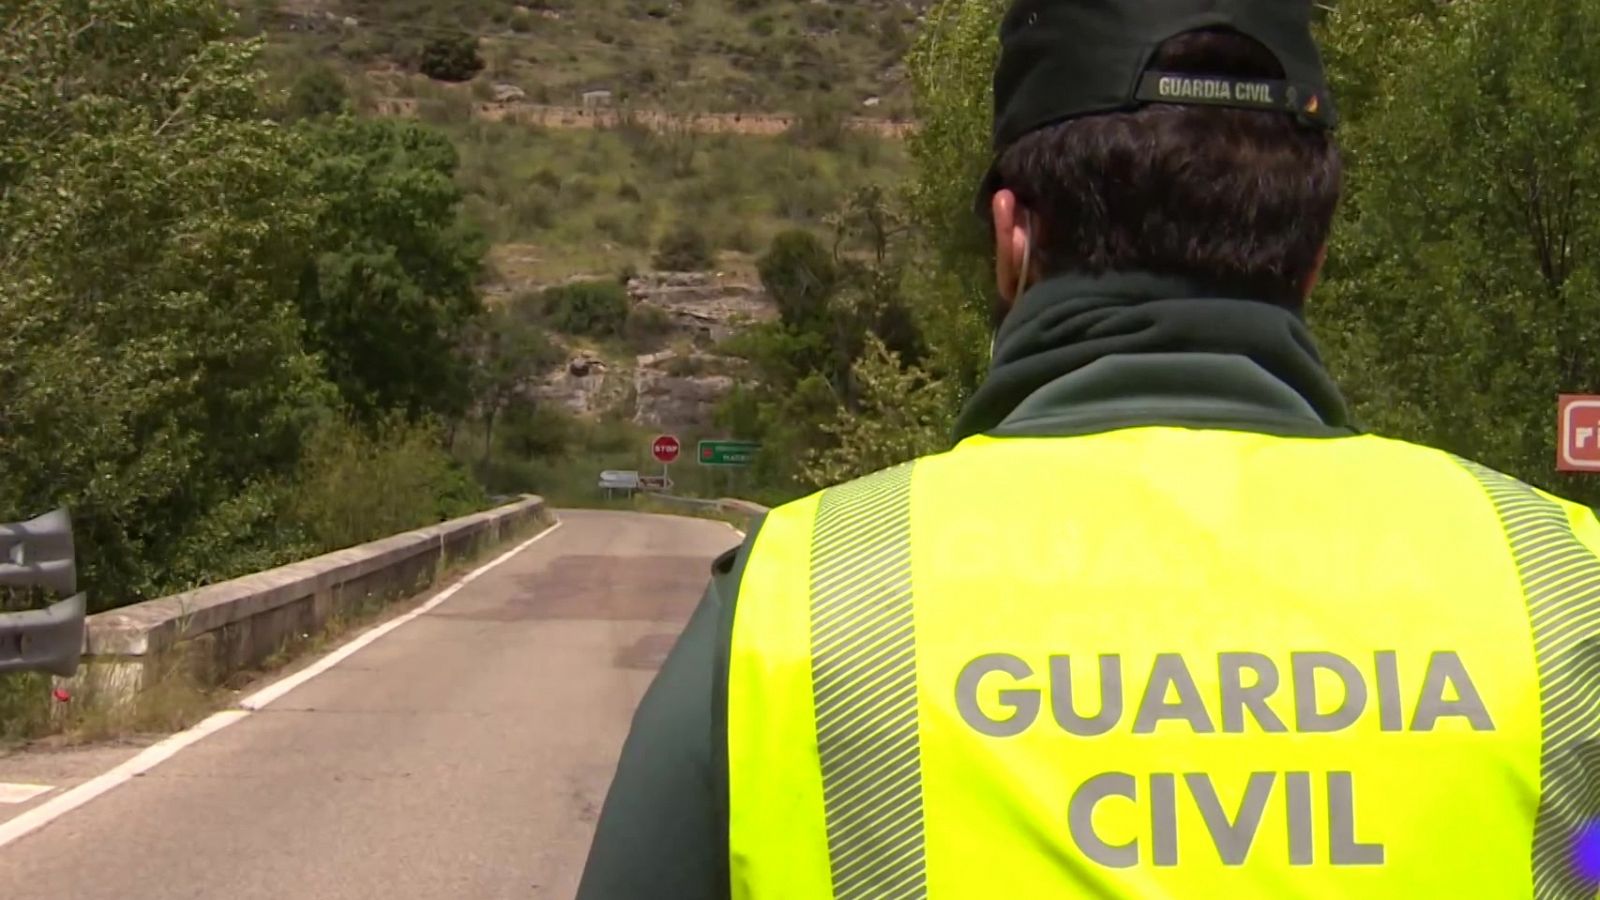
x=901 y=414
x=393 y=284
x=845 y=341
x=800 y=275
x=1462 y=294
x=151 y=222
x=952 y=69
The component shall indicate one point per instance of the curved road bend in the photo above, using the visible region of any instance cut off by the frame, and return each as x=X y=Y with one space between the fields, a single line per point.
x=463 y=755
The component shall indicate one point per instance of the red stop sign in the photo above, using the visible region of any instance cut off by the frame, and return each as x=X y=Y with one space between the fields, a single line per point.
x=666 y=448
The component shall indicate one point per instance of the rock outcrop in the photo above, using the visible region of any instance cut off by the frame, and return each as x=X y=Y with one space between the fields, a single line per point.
x=675 y=389
x=581 y=386
x=708 y=308
x=672 y=391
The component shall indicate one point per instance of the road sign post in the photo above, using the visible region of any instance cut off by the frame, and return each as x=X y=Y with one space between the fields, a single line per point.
x=665 y=448
x=728 y=454
x=1578 y=440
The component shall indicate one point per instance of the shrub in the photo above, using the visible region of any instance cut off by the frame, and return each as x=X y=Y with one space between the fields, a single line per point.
x=532 y=431
x=547 y=179
x=356 y=485
x=627 y=230
x=800 y=275
x=532 y=211
x=736 y=236
x=612 y=435
x=684 y=249
x=452 y=58
x=594 y=308
x=646 y=326
x=319 y=91
x=804 y=198
x=578 y=190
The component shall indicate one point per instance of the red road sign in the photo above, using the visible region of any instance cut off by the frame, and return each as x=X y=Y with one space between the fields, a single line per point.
x=1578 y=449
x=666 y=448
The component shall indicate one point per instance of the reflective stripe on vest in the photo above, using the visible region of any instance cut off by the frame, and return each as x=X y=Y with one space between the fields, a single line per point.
x=1561 y=579
x=1165 y=662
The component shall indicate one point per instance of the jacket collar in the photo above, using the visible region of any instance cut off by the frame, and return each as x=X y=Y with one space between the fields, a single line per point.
x=1086 y=354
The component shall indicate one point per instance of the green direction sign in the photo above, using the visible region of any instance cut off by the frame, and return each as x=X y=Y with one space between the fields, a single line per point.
x=728 y=453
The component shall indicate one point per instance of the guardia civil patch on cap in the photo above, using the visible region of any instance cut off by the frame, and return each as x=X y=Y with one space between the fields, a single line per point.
x=1242 y=93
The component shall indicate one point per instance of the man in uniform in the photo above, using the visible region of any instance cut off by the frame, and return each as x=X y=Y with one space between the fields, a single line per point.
x=1164 y=623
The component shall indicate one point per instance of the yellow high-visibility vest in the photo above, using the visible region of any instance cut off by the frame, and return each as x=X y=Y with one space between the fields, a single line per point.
x=1162 y=662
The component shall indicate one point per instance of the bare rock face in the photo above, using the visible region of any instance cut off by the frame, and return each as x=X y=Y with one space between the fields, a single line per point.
x=708 y=308
x=579 y=394
x=581 y=386
x=670 y=390
x=681 y=392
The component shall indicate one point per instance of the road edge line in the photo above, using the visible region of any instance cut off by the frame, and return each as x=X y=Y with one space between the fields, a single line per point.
x=142 y=762
x=158 y=753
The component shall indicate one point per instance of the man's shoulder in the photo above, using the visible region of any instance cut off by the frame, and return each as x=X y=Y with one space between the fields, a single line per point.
x=1507 y=491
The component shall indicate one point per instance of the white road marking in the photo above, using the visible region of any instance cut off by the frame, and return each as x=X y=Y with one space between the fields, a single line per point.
x=22 y=793
x=154 y=755
x=147 y=759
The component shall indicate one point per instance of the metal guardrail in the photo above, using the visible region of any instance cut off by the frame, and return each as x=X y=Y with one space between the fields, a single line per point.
x=741 y=509
x=695 y=502
x=39 y=554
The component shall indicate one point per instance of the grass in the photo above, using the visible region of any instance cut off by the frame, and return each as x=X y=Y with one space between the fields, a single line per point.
x=179 y=692
x=727 y=55
x=560 y=203
x=567 y=202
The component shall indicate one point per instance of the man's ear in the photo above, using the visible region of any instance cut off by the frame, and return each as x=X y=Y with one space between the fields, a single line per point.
x=1010 y=243
x=1316 y=272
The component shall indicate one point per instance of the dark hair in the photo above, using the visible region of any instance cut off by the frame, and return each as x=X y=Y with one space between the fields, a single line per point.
x=1241 y=198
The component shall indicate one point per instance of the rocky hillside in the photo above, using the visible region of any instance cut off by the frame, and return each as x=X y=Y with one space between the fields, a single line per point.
x=718 y=55
x=590 y=133
x=677 y=386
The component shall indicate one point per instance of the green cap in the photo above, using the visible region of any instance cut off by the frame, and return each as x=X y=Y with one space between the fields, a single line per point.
x=1062 y=59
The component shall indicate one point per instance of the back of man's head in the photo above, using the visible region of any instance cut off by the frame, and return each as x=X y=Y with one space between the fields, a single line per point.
x=1239 y=195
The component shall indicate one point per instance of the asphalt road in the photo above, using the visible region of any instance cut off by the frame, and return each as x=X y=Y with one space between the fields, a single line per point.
x=463 y=755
